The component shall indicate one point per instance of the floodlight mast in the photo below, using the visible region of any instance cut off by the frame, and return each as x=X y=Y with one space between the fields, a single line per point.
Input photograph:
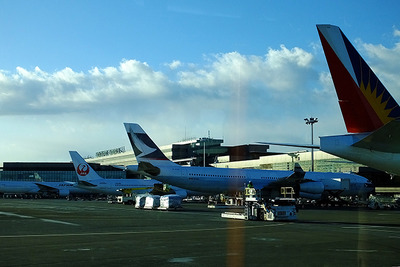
x=311 y=121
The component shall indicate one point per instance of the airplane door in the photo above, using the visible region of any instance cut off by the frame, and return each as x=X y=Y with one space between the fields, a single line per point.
x=184 y=173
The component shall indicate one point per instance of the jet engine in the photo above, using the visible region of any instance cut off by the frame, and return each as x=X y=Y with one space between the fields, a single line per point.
x=311 y=190
x=63 y=192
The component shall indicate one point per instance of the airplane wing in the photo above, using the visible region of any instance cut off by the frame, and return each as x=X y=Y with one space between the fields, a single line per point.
x=273 y=189
x=294 y=179
x=289 y=144
x=47 y=188
x=120 y=167
x=85 y=183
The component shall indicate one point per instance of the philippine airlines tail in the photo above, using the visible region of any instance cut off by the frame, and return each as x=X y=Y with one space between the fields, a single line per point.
x=365 y=103
x=83 y=170
x=371 y=114
x=146 y=151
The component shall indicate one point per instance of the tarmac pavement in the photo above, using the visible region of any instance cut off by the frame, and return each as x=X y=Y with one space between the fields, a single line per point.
x=49 y=232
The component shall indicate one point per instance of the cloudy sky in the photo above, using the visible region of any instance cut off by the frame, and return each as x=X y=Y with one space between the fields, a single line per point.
x=71 y=72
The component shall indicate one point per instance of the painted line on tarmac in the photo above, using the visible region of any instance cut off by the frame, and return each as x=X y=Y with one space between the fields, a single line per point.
x=385 y=229
x=61 y=222
x=357 y=250
x=145 y=232
x=16 y=215
x=31 y=217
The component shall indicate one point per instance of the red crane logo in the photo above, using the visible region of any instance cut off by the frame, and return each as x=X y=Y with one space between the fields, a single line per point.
x=82 y=169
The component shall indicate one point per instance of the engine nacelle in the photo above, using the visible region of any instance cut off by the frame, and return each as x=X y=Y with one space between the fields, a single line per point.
x=179 y=191
x=312 y=188
x=132 y=168
x=310 y=196
x=63 y=192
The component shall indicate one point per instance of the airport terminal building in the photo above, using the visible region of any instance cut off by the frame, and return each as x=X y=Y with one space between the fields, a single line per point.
x=196 y=152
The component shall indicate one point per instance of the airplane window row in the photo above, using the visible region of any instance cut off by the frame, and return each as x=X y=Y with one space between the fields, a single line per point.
x=270 y=178
x=216 y=175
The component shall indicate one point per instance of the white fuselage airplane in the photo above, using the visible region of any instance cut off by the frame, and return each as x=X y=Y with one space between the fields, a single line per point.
x=371 y=114
x=18 y=187
x=63 y=189
x=90 y=180
x=223 y=180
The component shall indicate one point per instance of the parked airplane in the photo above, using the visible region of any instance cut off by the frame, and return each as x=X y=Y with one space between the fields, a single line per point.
x=18 y=187
x=311 y=185
x=371 y=114
x=90 y=180
x=62 y=189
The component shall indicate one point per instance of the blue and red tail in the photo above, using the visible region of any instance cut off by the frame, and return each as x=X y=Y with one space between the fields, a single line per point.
x=365 y=103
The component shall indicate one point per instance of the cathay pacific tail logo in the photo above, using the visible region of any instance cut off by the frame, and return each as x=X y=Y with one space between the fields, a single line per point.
x=82 y=169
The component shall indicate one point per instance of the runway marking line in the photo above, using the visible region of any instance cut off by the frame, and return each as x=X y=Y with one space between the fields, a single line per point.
x=61 y=222
x=16 y=215
x=374 y=228
x=357 y=250
x=31 y=217
x=143 y=232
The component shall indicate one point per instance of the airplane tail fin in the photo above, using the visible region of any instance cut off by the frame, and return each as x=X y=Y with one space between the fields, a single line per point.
x=146 y=151
x=37 y=177
x=298 y=168
x=82 y=168
x=365 y=103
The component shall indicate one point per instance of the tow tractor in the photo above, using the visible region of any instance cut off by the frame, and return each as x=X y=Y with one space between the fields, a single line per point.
x=255 y=209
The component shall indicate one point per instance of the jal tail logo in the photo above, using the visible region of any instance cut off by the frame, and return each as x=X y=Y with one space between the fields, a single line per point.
x=82 y=169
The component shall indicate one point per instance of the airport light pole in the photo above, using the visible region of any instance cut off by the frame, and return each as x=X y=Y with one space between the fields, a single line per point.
x=204 y=154
x=311 y=121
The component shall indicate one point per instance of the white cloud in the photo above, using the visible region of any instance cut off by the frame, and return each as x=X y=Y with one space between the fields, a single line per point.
x=241 y=98
x=67 y=75
x=279 y=70
x=174 y=64
x=396 y=32
x=39 y=92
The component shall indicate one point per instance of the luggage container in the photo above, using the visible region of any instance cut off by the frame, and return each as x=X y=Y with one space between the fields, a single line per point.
x=140 y=201
x=152 y=202
x=170 y=202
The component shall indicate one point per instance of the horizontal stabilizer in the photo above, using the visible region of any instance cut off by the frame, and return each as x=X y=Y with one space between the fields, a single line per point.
x=289 y=144
x=385 y=139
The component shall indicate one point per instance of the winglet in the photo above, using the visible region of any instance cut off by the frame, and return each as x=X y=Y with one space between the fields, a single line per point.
x=365 y=103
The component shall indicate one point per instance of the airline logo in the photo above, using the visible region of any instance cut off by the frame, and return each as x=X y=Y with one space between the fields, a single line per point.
x=143 y=146
x=82 y=169
x=371 y=87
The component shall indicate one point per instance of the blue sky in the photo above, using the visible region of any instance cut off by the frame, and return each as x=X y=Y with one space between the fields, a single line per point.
x=71 y=72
